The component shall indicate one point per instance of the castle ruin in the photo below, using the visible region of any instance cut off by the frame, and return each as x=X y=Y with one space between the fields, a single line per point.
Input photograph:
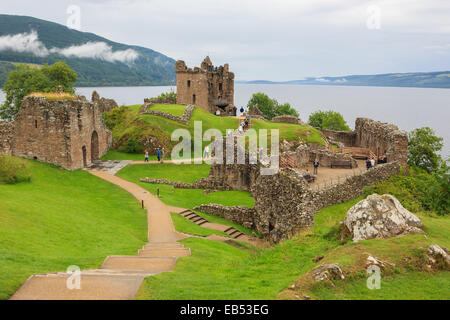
x=208 y=87
x=67 y=133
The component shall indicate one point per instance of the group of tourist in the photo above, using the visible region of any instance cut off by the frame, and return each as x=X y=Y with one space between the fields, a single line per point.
x=159 y=155
x=371 y=162
x=245 y=124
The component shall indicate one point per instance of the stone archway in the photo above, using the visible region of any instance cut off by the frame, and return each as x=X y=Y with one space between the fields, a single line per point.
x=94 y=146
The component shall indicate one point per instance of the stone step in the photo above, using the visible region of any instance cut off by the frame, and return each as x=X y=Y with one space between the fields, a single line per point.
x=171 y=245
x=177 y=252
x=92 y=287
x=153 y=264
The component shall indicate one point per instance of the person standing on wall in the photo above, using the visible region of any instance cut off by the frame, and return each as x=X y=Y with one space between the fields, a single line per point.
x=316 y=165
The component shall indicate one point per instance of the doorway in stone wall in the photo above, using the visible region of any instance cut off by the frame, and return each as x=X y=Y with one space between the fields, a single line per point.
x=84 y=156
x=94 y=146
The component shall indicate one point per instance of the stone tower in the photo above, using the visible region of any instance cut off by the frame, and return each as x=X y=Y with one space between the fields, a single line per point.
x=208 y=87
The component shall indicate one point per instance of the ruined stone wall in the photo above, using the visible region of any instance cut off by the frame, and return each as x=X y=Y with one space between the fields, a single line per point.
x=211 y=86
x=279 y=212
x=204 y=183
x=6 y=137
x=287 y=119
x=237 y=214
x=57 y=132
x=382 y=139
x=184 y=119
x=347 y=138
x=306 y=155
x=351 y=187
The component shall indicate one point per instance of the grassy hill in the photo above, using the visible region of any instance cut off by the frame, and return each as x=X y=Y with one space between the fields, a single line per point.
x=150 y=68
x=63 y=218
x=128 y=124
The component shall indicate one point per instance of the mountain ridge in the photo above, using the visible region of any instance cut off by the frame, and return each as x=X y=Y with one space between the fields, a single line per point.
x=149 y=67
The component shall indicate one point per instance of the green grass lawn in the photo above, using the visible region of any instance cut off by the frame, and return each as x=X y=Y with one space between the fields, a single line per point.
x=64 y=218
x=186 y=226
x=175 y=109
x=184 y=198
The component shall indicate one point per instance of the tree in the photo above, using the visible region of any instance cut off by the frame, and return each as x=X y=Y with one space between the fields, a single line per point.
x=423 y=149
x=270 y=108
x=330 y=120
x=24 y=80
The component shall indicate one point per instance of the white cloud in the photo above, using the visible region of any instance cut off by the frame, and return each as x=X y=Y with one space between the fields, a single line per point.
x=24 y=42
x=98 y=50
x=30 y=43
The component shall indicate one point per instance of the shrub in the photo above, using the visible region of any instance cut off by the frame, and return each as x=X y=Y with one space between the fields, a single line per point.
x=13 y=170
x=270 y=107
x=165 y=97
x=132 y=146
x=330 y=120
x=423 y=148
x=418 y=192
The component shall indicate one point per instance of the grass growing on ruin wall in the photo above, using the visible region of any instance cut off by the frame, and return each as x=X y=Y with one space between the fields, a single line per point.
x=175 y=109
x=64 y=218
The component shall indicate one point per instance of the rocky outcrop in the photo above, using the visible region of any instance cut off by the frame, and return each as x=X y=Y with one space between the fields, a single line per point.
x=238 y=214
x=331 y=271
x=184 y=119
x=380 y=217
x=437 y=257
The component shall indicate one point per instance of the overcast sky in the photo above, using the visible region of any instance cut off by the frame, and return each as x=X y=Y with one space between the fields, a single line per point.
x=274 y=40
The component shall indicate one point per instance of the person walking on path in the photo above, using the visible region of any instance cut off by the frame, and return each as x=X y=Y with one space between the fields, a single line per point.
x=316 y=165
x=206 y=154
x=372 y=162
x=368 y=163
x=146 y=156
x=162 y=155
x=158 y=155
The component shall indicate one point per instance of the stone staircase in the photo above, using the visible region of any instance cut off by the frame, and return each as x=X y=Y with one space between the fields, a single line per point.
x=119 y=277
x=200 y=221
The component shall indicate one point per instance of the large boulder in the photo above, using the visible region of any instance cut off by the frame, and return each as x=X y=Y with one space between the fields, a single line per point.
x=438 y=257
x=380 y=217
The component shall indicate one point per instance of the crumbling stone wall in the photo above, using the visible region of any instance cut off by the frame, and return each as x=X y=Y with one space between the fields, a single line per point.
x=103 y=104
x=184 y=119
x=204 y=183
x=208 y=87
x=237 y=214
x=6 y=137
x=351 y=187
x=306 y=155
x=279 y=209
x=66 y=133
x=347 y=138
x=287 y=119
x=382 y=139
